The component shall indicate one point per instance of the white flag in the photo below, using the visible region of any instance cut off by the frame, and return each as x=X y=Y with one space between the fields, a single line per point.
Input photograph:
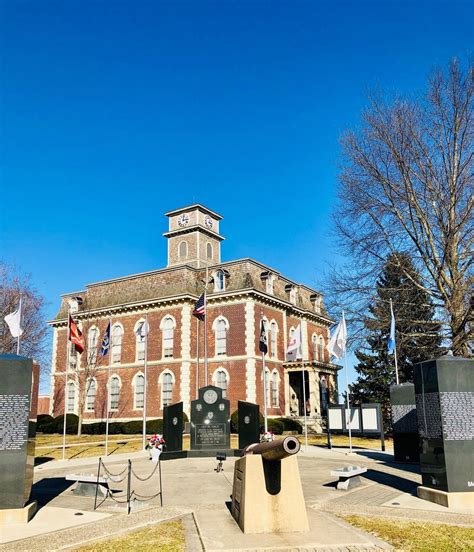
x=337 y=343
x=14 y=322
x=142 y=330
x=294 y=348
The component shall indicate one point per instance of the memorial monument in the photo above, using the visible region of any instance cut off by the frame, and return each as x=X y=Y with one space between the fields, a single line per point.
x=19 y=380
x=444 y=392
x=249 y=423
x=406 y=441
x=173 y=432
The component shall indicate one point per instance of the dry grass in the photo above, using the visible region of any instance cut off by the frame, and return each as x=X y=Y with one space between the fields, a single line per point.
x=168 y=536
x=408 y=536
x=343 y=441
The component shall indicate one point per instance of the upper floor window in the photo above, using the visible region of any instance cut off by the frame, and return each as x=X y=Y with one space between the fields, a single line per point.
x=139 y=391
x=269 y=283
x=314 y=346
x=91 y=394
x=321 y=348
x=166 y=388
x=220 y=328
x=71 y=396
x=183 y=250
x=168 y=336
x=220 y=280
x=293 y=295
x=72 y=356
x=92 y=344
x=221 y=381
x=117 y=335
x=114 y=392
x=275 y=390
x=141 y=330
x=209 y=250
x=273 y=339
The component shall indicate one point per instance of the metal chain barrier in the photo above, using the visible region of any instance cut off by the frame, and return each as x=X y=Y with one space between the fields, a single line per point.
x=151 y=474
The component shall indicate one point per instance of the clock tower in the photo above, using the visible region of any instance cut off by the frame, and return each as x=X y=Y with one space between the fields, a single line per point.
x=193 y=237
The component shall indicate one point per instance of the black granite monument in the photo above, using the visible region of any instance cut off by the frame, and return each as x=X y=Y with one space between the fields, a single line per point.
x=249 y=423
x=18 y=399
x=210 y=423
x=444 y=391
x=406 y=441
x=173 y=432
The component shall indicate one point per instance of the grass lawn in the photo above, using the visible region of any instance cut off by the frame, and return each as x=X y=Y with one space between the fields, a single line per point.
x=168 y=536
x=417 y=536
x=343 y=441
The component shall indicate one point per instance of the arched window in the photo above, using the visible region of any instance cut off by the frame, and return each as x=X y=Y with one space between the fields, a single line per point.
x=314 y=345
x=92 y=344
x=221 y=381
x=71 y=396
x=72 y=356
x=324 y=394
x=221 y=336
x=114 y=392
x=275 y=381
x=220 y=280
x=141 y=331
x=269 y=283
x=268 y=386
x=293 y=295
x=139 y=391
x=273 y=339
x=117 y=335
x=166 y=389
x=90 y=397
x=209 y=250
x=167 y=327
x=183 y=250
x=321 y=348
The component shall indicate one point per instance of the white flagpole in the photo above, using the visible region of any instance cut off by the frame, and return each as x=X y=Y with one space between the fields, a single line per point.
x=109 y=369
x=304 y=387
x=265 y=418
x=394 y=345
x=65 y=383
x=145 y=382
x=198 y=327
x=205 y=331
x=348 y=402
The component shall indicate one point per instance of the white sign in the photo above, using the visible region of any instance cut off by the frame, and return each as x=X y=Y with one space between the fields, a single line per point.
x=335 y=418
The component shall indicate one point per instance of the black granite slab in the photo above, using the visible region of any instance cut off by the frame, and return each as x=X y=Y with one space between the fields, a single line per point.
x=210 y=420
x=173 y=427
x=406 y=441
x=249 y=423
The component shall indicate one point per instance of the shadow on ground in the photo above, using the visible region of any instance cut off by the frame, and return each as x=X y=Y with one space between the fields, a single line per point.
x=48 y=489
x=42 y=460
x=393 y=481
x=382 y=458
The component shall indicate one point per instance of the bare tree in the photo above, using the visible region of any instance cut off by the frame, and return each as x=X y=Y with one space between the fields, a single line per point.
x=406 y=186
x=14 y=285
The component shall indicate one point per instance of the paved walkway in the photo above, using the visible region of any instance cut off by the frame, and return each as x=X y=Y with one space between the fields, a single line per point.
x=194 y=491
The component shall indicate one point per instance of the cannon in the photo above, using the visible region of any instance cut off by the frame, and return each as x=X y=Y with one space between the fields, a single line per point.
x=267 y=495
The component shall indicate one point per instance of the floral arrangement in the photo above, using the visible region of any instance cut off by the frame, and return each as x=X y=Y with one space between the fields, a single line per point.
x=155 y=441
x=266 y=437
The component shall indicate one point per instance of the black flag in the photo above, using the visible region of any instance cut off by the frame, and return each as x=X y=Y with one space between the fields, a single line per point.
x=262 y=344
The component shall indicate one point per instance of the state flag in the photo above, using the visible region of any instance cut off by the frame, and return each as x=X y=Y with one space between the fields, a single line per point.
x=105 y=342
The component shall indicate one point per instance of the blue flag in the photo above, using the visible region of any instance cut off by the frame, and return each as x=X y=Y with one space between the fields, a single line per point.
x=391 y=339
x=105 y=342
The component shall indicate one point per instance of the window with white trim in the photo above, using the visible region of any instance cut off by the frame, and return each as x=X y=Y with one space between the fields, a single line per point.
x=91 y=394
x=183 y=250
x=293 y=295
x=275 y=382
x=139 y=391
x=273 y=339
x=321 y=348
x=92 y=344
x=71 y=396
x=117 y=336
x=72 y=356
x=221 y=381
x=168 y=337
x=269 y=283
x=268 y=386
x=114 y=392
x=209 y=250
x=221 y=337
x=140 y=334
x=166 y=389
x=220 y=280
x=314 y=346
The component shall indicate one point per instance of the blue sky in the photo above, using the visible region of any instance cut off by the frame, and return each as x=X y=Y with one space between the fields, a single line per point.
x=112 y=113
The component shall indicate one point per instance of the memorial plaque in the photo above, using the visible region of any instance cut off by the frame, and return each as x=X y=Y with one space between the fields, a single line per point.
x=210 y=420
x=444 y=390
x=336 y=417
x=249 y=423
x=354 y=420
x=18 y=401
x=371 y=414
x=173 y=427
x=406 y=441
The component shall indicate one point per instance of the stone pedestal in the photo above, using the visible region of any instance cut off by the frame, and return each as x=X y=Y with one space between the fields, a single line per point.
x=17 y=515
x=456 y=501
x=268 y=498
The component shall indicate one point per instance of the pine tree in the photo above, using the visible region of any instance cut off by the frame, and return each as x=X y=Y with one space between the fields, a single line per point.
x=417 y=333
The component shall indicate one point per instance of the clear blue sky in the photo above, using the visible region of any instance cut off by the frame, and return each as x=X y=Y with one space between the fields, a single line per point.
x=114 y=112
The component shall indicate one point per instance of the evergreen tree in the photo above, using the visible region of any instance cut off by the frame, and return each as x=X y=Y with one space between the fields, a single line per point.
x=417 y=333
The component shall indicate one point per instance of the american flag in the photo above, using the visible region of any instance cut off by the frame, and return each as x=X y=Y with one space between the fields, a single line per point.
x=200 y=308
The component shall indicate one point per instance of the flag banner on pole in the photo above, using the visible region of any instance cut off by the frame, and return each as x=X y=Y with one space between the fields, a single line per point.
x=13 y=321
x=337 y=343
x=262 y=343
x=75 y=336
x=200 y=308
x=293 y=351
x=105 y=342
x=391 y=339
x=142 y=330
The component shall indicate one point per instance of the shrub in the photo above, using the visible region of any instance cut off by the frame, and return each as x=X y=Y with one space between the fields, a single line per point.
x=71 y=423
x=43 y=420
x=234 y=421
x=96 y=428
x=291 y=425
x=130 y=428
x=275 y=426
x=155 y=426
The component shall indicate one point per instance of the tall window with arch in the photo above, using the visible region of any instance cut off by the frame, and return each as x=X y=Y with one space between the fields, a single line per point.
x=314 y=346
x=72 y=356
x=220 y=280
x=273 y=339
x=221 y=337
x=140 y=333
x=92 y=344
x=166 y=389
x=321 y=348
x=114 y=392
x=168 y=337
x=221 y=381
x=117 y=336
x=275 y=390
x=71 y=396
x=139 y=391
x=183 y=250
x=209 y=250
x=91 y=394
x=268 y=387
x=324 y=394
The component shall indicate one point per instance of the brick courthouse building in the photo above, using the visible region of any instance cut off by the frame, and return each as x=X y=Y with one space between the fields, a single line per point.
x=238 y=293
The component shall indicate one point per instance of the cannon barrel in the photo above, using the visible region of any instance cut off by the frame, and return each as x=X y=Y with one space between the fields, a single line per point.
x=275 y=450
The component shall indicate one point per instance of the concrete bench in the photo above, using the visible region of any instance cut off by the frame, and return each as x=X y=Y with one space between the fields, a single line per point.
x=349 y=477
x=86 y=485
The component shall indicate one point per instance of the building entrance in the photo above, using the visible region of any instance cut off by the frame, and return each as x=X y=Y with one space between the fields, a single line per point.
x=296 y=393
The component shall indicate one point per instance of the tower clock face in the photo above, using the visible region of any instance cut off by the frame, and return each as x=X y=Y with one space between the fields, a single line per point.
x=183 y=220
x=210 y=396
x=208 y=221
